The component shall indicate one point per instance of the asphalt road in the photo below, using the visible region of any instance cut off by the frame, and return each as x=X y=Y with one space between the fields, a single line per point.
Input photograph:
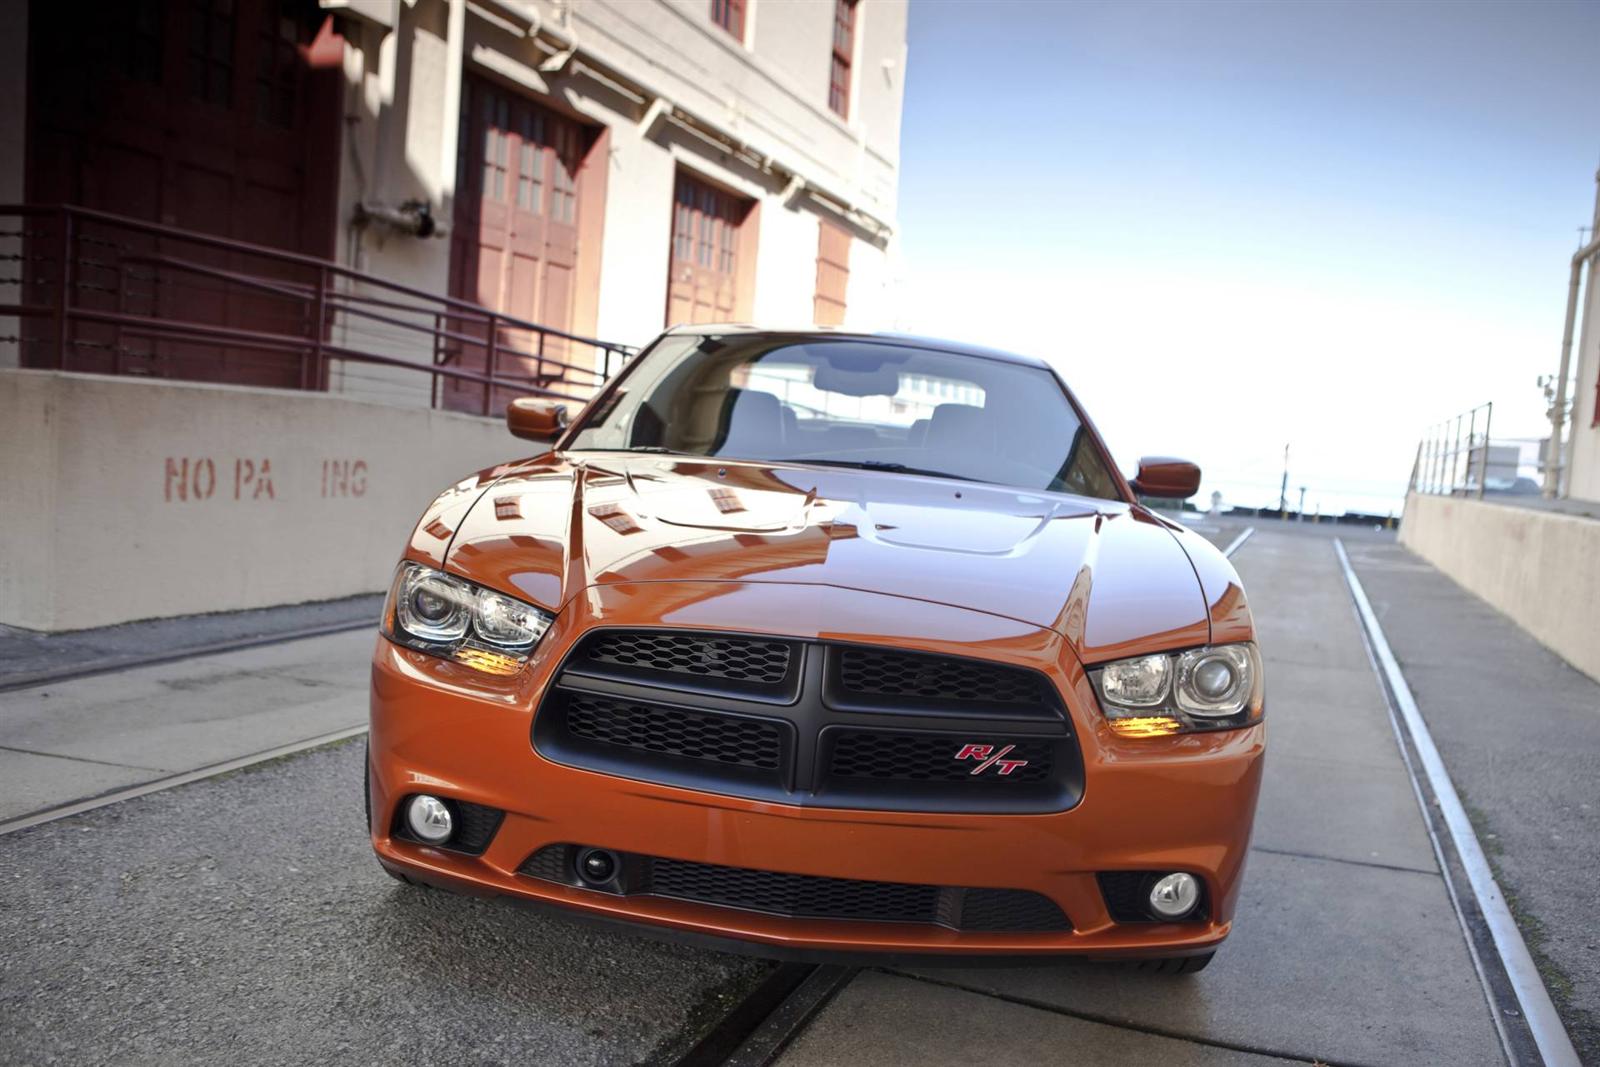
x=244 y=920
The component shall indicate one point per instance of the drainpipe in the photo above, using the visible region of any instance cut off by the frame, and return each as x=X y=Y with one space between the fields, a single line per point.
x=1558 y=410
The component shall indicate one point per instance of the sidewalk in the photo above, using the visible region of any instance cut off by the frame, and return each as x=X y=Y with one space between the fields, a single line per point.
x=1346 y=947
x=28 y=657
x=1520 y=732
x=66 y=741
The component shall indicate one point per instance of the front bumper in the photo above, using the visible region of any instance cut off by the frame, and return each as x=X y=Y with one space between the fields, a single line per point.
x=1177 y=803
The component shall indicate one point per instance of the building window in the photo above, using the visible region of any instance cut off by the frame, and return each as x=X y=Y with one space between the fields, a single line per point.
x=279 y=38
x=729 y=14
x=211 y=51
x=844 y=50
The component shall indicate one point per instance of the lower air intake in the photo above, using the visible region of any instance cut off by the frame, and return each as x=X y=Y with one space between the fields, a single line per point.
x=805 y=896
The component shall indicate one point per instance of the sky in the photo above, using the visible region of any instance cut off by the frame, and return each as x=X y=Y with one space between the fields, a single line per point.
x=1239 y=226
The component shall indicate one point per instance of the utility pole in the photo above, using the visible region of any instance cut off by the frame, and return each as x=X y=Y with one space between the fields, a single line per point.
x=1283 y=490
x=1558 y=405
x=1302 y=516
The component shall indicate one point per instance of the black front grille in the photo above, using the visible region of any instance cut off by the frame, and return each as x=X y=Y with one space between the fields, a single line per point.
x=811 y=722
x=871 y=672
x=941 y=757
x=805 y=896
x=678 y=732
x=739 y=659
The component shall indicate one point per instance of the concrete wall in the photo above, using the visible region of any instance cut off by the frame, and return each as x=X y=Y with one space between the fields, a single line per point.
x=1542 y=569
x=123 y=498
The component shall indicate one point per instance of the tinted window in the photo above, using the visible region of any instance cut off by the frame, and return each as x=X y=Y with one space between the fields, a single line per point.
x=852 y=403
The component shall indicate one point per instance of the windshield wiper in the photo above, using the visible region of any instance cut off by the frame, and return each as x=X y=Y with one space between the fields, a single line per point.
x=880 y=465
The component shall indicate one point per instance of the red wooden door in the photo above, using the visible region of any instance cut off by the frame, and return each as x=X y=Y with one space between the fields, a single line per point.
x=217 y=116
x=514 y=246
x=704 y=277
x=833 y=273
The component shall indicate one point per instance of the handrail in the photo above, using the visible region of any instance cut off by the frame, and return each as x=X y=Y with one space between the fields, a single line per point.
x=305 y=292
x=326 y=304
x=298 y=258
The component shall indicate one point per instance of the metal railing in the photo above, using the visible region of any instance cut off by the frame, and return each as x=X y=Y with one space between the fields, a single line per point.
x=100 y=292
x=1461 y=457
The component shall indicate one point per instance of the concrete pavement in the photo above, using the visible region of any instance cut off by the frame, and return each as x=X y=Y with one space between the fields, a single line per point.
x=1520 y=732
x=69 y=740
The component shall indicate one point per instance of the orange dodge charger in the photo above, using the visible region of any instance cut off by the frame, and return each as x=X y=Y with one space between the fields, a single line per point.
x=828 y=644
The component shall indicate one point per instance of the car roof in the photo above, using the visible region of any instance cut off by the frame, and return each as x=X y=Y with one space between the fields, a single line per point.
x=719 y=329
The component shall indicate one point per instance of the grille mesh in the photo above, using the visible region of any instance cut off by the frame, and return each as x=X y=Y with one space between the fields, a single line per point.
x=931 y=758
x=1010 y=909
x=549 y=863
x=676 y=732
x=797 y=895
x=737 y=659
x=885 y=673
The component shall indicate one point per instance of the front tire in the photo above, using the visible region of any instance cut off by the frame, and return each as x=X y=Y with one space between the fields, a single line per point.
x=1175 y=964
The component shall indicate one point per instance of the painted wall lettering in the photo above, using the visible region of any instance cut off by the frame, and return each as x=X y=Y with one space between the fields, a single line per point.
x=190 y=479
x=195 y=478
x=253 y=479
x=344 y=477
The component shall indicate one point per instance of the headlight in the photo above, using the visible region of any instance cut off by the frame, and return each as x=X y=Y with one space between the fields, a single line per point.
x=1202 y=689
x=450 y=617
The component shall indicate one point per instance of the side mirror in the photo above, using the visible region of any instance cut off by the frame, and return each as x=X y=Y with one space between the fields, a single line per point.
x=1164 y=476
x=535 y=419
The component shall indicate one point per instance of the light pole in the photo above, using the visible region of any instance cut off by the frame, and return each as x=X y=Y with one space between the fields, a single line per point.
x=1283 y=489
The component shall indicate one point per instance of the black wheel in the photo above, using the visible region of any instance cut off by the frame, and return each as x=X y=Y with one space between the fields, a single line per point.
x=1175 y=964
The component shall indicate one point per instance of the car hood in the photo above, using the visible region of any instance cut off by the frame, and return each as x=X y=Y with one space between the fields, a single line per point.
x=1112 y=579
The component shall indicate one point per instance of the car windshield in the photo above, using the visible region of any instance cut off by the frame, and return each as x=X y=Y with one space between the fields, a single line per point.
x=855 y=403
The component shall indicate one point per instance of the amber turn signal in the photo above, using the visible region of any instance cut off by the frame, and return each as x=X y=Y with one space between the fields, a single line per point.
x=1146 y=726
x=481 y=659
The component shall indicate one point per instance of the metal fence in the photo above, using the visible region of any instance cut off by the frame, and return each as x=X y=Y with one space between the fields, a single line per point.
x=1461 y=457
x=102 y=293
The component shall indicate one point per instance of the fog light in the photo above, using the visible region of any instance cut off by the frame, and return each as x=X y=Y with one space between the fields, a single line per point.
x=1174 y=895
x=430 y=819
